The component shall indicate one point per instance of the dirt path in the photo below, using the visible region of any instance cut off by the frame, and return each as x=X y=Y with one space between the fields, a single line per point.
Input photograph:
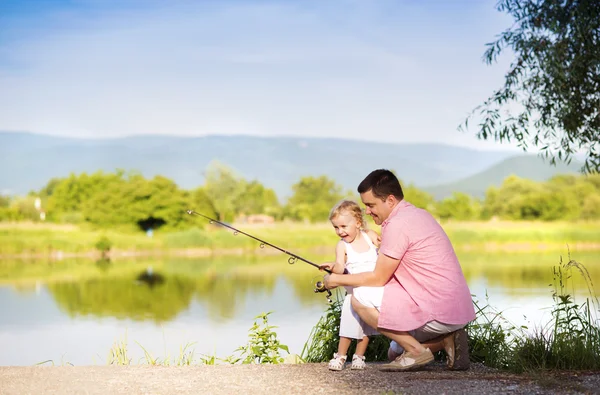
x=282 y=379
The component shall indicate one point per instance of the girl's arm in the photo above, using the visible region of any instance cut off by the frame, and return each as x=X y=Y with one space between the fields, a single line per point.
x=340 y=260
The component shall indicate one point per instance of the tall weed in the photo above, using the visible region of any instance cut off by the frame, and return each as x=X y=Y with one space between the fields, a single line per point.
x=324 y=338
x=263 y=346
x=571 y=340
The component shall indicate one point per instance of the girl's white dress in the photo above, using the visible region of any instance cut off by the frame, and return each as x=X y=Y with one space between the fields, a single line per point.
x=351 y=325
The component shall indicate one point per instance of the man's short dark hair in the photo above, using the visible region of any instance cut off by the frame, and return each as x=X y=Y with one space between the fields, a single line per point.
x=382 y=183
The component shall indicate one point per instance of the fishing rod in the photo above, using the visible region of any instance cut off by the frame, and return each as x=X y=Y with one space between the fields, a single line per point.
x=319 y=285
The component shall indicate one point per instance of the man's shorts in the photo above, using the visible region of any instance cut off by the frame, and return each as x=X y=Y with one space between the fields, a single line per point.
x=428 y=331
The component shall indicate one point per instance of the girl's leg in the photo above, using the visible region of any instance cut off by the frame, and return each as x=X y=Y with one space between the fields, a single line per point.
x=344 y=345
x=361 y=346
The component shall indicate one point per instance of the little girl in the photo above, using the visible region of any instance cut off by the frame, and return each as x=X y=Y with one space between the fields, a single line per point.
x=355 y=252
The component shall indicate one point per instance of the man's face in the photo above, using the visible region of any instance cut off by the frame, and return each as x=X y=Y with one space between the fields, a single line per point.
x=378 y=209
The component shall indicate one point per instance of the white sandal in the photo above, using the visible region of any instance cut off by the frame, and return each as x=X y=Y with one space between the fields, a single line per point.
x=338 y=362
x=358 y=362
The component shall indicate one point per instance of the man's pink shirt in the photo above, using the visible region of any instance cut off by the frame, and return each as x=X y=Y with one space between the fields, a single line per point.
x=429 y=283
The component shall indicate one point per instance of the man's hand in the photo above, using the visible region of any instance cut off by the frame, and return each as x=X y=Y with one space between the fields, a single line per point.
x=375 y=237
x=329 y=281
x=384 y=270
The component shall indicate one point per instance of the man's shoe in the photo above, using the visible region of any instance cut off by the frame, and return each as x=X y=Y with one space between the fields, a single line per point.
x=456 y=345
x=408 y=361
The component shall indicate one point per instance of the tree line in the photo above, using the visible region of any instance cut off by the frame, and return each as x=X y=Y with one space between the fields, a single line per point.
x=129 y=199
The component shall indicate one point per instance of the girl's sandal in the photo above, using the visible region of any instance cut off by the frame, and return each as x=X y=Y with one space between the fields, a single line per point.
x=338 y=362
x=358 y=362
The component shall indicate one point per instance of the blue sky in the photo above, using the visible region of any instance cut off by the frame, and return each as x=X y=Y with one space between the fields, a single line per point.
x=393 y=71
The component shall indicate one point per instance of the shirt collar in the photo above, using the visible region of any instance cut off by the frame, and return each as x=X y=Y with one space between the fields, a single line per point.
x=401 y=204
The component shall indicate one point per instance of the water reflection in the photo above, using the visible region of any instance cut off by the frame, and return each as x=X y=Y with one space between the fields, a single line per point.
x=48 y=305
x=124 y=298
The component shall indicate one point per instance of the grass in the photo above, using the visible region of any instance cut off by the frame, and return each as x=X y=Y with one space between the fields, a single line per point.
x=46 y=239
x=263 y=347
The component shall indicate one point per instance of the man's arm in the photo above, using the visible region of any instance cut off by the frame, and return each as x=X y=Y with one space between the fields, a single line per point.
x=374 y=236
x=384 y=269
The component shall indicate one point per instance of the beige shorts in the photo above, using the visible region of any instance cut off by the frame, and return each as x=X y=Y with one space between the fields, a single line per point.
x=428 y=331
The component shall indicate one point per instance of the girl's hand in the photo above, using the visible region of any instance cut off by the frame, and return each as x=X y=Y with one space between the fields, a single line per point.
x=329 y=266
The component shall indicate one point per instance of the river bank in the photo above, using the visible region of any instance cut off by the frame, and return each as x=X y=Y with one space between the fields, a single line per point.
x=116 y=254
x=55 y=242
x=285 y=379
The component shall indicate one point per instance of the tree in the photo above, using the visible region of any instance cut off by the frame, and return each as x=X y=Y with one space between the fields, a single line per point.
x=67 y=196
x=551 y=92
x=223 y=187
x=4 y=201
x=256 y=199
x=418 y=197
x=200 y=203
x=459 y=206
x=147 y=204
x=313 y=198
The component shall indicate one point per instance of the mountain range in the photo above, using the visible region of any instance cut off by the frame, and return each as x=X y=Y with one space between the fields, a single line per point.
x=30 y=160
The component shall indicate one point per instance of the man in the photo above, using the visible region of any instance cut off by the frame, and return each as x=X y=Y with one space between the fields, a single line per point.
x=426 y=301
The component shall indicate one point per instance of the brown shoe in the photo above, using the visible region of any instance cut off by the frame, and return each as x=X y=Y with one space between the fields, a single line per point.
x=408 y=361
x=456 y=345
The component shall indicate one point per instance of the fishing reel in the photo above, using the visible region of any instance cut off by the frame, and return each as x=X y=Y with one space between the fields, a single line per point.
x=320 y=287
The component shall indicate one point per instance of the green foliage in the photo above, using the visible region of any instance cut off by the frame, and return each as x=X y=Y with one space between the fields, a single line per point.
x=118 y=353
x=553 y=84
x=323 y=340
x=18 y=209
x=103 y=244
x=185 y=357
x=223 y=187
x=69 y=194
x=201 y=203
x=460 y=206
x=263 y=347
x=4 y=201
x=418 y=197
x=560 y=198
x=256 y=199
x=128 y=201
x=570 y=341
x=492 y=338
x=313 y=198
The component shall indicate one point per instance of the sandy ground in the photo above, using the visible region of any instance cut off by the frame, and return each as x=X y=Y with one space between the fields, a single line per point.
x=283 y=379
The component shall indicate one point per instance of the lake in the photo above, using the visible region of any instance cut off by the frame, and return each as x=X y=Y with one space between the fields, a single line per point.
x=73 y=311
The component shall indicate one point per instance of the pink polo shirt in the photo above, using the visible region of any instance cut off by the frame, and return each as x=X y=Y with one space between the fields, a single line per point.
x=428 y=284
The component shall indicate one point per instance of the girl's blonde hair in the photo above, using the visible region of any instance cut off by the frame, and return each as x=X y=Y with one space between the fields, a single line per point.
x=350 y=207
